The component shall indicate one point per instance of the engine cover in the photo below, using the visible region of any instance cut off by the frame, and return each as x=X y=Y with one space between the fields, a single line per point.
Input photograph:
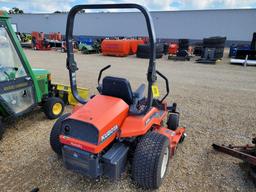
x=97 y=122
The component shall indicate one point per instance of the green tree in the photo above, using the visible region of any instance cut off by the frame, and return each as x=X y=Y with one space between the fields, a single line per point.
x=15 y=10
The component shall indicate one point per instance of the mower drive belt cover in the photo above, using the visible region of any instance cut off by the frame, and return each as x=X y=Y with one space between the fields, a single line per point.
x=81 y=162
x=115 y=160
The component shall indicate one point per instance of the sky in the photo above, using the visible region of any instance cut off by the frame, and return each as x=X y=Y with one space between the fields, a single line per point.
x=49 y=6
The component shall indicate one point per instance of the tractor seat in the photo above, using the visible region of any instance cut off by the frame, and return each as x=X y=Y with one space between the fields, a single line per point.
x=121 y=88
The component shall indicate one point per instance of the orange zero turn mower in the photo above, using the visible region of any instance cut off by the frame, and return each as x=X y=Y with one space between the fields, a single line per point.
x=118 y=126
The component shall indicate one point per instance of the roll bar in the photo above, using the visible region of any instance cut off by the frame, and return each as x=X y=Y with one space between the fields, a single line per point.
x=72 y=66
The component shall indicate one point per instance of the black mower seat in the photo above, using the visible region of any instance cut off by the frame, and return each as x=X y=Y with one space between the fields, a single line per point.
x=117 y=87
x=139 y=93
x=121 y=88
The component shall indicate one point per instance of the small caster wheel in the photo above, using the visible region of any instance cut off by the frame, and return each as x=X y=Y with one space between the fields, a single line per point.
x=183 y=137
x=173 y=121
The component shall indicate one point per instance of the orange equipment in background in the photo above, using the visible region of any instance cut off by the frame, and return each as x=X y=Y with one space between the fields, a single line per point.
x=55 y=36
x=120 y=48
x=173 y=48
x=37 y=35
x=134 y=45
x=39 y=42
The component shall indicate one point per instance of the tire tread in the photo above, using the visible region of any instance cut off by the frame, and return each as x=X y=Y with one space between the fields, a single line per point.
x=145 y=166
x=54 y=135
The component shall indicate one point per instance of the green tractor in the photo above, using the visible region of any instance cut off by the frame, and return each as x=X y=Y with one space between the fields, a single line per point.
x=86 y=49
x=22 y=88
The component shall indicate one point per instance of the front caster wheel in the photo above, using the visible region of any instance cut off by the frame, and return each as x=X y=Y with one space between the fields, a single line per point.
x=183 y=137
x=173 y=121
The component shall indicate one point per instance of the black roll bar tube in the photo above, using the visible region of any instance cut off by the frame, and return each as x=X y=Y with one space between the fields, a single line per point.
x=72 y=66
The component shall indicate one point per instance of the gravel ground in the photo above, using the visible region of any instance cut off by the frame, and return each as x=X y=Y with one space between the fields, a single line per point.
x=217 y=104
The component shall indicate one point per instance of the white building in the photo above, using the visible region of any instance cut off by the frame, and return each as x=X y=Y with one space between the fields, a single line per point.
x=235 y=24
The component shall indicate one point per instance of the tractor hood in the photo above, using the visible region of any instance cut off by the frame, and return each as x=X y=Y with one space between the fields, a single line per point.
x=96 y=122
x=40 y=73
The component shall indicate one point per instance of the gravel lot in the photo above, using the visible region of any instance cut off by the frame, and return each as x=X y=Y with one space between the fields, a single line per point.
x=217 y=104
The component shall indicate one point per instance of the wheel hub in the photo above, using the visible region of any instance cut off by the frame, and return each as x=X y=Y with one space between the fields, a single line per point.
x=57 y=108
x=165 y=162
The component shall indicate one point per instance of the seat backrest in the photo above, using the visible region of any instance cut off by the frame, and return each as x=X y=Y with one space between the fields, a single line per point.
x=117 y=87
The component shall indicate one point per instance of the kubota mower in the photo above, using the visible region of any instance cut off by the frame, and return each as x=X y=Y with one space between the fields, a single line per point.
x=118 y=126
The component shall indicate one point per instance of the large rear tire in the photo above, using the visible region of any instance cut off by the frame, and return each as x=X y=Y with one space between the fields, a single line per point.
x=55 y=133
x=150 y=161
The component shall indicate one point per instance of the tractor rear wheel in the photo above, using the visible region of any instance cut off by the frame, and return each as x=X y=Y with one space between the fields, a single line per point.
x=55 y=133
x=150 y=161
x=173 y=121
x=53 y=107
x=1 y=129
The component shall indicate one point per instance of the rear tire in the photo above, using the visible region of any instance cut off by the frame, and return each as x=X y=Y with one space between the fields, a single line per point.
x=53 y=107
x=55 y=133
x=173 y=121
x=150 y=161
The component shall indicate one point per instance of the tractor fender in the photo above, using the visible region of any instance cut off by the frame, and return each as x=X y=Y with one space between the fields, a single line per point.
x=139 y=125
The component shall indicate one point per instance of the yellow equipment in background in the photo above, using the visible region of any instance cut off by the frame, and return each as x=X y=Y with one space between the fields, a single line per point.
x=66 y=94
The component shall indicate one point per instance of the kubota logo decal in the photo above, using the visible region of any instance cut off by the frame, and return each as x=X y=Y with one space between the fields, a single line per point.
x=109 y=133
x=154 y=115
